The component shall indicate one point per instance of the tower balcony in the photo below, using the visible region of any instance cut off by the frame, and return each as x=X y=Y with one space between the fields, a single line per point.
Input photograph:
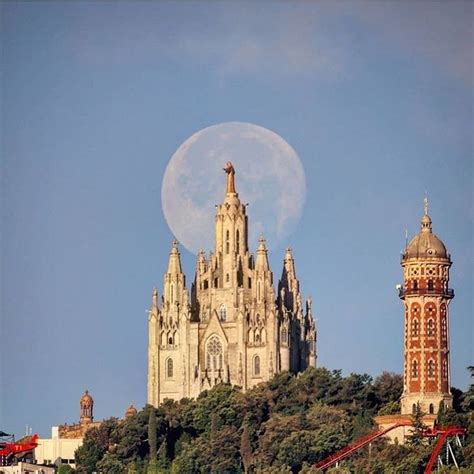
x=446 y=293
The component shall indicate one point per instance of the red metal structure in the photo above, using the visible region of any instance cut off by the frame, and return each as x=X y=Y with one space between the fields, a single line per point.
x=443 y=434
x=10 y=449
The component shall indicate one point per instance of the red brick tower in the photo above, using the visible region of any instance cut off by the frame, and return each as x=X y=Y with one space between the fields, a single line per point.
x=426 y=296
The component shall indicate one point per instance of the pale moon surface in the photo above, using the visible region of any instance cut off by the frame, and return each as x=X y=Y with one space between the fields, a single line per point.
x=269 y=177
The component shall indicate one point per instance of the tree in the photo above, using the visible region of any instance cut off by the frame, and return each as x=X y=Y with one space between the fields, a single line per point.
x=416 y=436
x=245 y=447
x=152 y=442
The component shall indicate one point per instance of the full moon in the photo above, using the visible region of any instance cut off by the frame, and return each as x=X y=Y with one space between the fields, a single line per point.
x=269 y=177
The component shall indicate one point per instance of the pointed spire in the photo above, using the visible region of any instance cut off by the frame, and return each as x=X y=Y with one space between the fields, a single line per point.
x=174 y=263
x=229 y=169
x=426 y=220
x=289 y=262
x=154 y=300
x=261 y=262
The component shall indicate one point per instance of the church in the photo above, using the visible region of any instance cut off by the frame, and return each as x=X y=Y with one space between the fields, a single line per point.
x=233 y=327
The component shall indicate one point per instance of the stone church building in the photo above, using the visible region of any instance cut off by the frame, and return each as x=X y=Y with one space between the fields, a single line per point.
x=233 y=328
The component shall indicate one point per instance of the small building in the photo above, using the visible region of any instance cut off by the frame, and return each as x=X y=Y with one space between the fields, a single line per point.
x=27 y=468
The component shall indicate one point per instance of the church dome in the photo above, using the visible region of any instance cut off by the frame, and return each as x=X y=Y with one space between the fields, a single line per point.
x=425 y=243
x=86 y=399
x=131 y=411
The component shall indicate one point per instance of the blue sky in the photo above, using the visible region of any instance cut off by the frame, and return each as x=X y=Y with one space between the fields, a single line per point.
x=375 y=97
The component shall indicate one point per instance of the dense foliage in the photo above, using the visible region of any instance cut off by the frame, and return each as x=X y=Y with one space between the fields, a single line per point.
x=285 y=425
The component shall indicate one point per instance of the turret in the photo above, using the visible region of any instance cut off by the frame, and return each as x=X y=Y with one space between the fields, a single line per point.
x=174 y=286
x=426 y=298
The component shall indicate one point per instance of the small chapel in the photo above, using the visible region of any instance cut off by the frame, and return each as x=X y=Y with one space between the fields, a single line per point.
x=232 y=327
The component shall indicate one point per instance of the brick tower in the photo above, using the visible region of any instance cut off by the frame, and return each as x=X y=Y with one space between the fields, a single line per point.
x=426 y=298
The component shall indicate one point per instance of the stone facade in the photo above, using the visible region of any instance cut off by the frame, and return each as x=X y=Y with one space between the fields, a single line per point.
x=233 y=328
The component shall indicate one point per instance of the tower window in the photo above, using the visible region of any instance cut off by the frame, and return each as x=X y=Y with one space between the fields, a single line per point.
x=216 y=282
x=430 y=328
x=256 y=365
x=414 y=327
x=445 y=369
x=237 y=241
x=206 y=284
x=431 y=409
x=227 y=244
x=257 y=338
x=169 y=368
x=430 y=285
x=413 y=408
x=170 y=340
x=250 y=283
x=415 y=285
x=222 y=313
x=431 y=369
x=414 y=369
x=444 y=329
x=227 y=278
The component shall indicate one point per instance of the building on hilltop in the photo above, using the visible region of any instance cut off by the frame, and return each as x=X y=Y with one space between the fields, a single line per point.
x=233 y=328
x=65 y=439
x=426 y=295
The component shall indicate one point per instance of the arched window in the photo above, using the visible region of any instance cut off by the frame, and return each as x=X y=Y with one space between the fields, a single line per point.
x=222 y=313
x=414 y=327
x=169 y=368
x=227 y=243
x=431 y=368
x=237 y=241
x=227 y=278
x=430 y=285
x=414 y=369
x=413 y=408
x=170 y=340
x=431 y=409
x=445 y=369
x=430 y=328
x=415 y=285
x=214 y=357
x=257 y=337
x=256 y=365
x=206 y=284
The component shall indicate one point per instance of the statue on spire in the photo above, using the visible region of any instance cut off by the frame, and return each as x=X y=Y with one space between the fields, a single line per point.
x=229 y=169
x=425 y=205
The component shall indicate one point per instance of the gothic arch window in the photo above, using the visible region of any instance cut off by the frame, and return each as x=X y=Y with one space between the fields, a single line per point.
x=256 y=365
x=445 y=369
x=170 y=339
x=430 y=330
x=222 y=313
x=227 y=243
x=414 y=327
x=430 y=285
x=237 y=241
x=414 y=369
x=415 y=285
x=257 y=337
x=431 y=409
x=214 y=357
x=169 y=368
x=431 y=369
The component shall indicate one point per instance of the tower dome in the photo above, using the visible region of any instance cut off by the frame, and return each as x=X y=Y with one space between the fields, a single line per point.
x=87 y=404
x=131 y=411
x=426 y=244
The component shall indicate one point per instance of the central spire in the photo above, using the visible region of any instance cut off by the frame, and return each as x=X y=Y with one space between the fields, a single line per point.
x=229 y=169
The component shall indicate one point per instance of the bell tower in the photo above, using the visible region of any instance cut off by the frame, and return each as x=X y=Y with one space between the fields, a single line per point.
x=426 y=297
